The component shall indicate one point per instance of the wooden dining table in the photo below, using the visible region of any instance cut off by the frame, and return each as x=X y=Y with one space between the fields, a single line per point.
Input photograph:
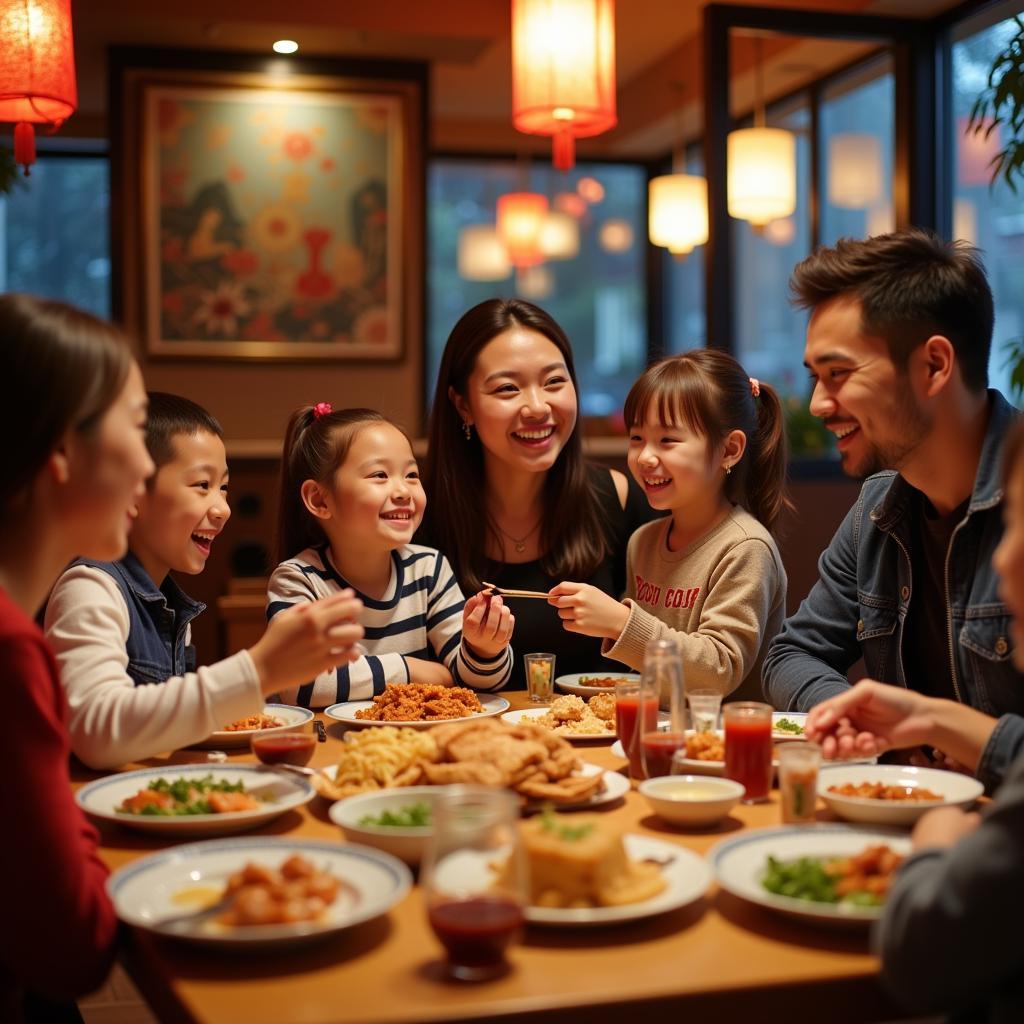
x=720 y=959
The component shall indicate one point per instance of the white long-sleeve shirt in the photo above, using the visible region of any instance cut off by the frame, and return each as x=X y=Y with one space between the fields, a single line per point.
x=112 y=720
x=419 y=616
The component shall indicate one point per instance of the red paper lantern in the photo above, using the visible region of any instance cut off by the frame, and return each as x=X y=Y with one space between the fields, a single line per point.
x=37 y=69
x=563 y=71
x=520 y=217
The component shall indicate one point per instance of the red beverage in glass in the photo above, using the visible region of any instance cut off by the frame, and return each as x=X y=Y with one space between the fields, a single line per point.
x=284 y=748
x=748 y=754
x=476 y=931
x=658 y=748
x=627 y=709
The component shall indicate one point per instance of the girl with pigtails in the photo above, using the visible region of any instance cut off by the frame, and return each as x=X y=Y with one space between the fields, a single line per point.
x=707 y=445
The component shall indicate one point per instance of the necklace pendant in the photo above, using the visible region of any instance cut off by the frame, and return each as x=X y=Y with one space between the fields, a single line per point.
x=520 y=547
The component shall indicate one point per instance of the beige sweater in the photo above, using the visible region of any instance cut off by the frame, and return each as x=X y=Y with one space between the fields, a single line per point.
x=722 y=599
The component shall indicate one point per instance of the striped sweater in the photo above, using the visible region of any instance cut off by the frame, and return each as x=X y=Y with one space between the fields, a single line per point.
x=420 y=616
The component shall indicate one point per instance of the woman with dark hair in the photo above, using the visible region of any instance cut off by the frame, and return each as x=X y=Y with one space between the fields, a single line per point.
x=73 y=465
x=512 y=499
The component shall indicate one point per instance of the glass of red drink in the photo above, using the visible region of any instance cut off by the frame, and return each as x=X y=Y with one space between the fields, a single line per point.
x=748 y=747
x=661 y=685
x=627 y=711
x=474 y=878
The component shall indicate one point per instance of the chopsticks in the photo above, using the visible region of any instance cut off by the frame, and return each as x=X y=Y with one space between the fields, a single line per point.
x=501 y=592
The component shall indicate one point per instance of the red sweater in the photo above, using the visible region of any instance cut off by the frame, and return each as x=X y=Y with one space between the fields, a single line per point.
x=58 y=926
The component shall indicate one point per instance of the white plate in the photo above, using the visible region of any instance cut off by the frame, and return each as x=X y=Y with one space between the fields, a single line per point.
x=99 y=798
x=143 y=892
x=796 y=717
x=740 y=864
x=293 y=718
x=688 y=878
x=346 y=712
x=956 y=790
x=571 y=683
x=532 y=714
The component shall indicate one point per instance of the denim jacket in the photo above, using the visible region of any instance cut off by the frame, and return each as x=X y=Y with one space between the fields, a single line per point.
x=158 y=635
x=859 y=605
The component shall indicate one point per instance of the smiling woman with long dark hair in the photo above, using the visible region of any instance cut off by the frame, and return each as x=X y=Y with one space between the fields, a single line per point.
x=513 y=501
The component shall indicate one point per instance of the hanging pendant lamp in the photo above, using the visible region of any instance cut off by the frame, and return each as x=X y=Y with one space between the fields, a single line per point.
x=563 y=71
x=677 y=215
x=37 y=70
x=520 y=219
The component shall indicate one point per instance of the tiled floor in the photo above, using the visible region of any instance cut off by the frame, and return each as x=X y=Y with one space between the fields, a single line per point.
x=118 y=1002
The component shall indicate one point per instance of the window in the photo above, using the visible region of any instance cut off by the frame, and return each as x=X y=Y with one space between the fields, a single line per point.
x=598 y=296
x=54 y=234
x=992 y=217
x=683 y=283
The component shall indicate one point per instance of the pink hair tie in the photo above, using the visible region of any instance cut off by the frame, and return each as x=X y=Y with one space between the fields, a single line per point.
x=755 y=387
x=322 y=409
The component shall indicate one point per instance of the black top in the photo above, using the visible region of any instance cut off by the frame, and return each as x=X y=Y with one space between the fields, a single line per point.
x=926 y=654
x=538 y=627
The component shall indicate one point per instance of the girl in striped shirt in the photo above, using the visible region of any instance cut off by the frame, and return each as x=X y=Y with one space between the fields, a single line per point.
x=351 y=499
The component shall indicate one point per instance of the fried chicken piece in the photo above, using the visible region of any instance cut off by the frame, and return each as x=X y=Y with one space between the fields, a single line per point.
x=565 y=791
x=559 y=765
x=508 y=754
x=464 y=771
x=603 y=706
x=569 y=708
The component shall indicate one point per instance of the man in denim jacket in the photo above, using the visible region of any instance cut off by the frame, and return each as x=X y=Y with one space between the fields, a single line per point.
x=898 y=346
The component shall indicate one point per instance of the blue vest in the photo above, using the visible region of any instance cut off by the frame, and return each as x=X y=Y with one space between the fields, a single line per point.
x=158 y=621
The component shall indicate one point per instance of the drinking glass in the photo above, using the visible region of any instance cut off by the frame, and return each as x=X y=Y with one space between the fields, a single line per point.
x=705 y=706
x=474 y=878
x=798 y=780
x=748 y=747
x=627 y=710
x=661 y=684
x=540 y=677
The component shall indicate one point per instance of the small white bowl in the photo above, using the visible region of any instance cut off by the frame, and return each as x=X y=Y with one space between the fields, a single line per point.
x=406 y=844
x=696 y=800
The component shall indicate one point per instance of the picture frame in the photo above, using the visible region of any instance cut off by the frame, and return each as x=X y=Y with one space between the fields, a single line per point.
x=271 y=218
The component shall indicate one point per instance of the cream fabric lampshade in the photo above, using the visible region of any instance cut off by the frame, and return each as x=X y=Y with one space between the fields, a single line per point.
x=559 y=236
x=482 y=255
x=762 y=174
x=854 y=170
x=678 y=211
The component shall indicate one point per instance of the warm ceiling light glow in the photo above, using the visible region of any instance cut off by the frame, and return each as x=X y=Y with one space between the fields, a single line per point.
x=880 y=220
x=520 y=217
x=678 y=212
x=854 y=170
x=482 y=256
x=965 y=220
x=285 y=46
x=535 y=283
x=563 y=71
x=762 y=174
x=559 y=236
x=571 y=203
x=590 y=189
x=780 y=232
x=616 y=235
x=37 y=69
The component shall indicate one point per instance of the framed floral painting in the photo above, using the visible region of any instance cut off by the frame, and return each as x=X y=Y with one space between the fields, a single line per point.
x=277 y=218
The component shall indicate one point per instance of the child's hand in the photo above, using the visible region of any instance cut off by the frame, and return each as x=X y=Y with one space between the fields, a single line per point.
x=587 y=610
x=430 y=673
x=487 y=624
x=301 y=642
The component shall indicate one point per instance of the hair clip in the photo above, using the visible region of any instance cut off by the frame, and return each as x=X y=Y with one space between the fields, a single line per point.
x=755 y=387
x=322 y=409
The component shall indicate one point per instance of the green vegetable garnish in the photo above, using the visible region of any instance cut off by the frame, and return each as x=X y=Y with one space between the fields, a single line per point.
x=413 y=816
x=785 y=725
x=808 y=878
x=180 y=790
x=550 y=822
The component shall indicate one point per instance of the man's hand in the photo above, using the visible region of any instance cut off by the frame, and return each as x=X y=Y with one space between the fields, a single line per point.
x=943 y=827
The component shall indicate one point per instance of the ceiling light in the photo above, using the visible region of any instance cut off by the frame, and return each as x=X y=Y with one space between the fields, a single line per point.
x=285 y=46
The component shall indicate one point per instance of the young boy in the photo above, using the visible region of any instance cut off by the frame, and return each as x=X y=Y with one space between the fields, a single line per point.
x=117 y=626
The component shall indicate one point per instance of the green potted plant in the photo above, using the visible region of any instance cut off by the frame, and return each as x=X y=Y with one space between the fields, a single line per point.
x=1002 y=103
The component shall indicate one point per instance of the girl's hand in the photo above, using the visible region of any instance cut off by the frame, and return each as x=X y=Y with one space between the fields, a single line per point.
x=487 y=624
x=587 y=610
x=301 y=642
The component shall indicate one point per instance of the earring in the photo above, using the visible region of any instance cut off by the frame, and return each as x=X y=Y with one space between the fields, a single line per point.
x=467 y=429
x=728 y=470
